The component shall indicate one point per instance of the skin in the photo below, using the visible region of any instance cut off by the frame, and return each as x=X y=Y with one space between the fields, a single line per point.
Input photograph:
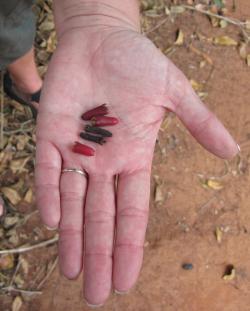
x=102 y=219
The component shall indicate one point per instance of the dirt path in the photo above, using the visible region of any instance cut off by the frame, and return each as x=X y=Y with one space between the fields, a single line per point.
x=182 y=224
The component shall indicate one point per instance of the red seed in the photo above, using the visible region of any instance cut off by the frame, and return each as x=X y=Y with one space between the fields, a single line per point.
x=98 y=111
x=83 y=149
x=104 y=121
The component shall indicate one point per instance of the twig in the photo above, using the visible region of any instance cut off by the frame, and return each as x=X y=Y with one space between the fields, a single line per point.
x=15 y=273
x=156 y=26
x=23 y=249
x=18 y=290
x=227 y=19
x=48 y=274
x=2 y=115
x=204 y=206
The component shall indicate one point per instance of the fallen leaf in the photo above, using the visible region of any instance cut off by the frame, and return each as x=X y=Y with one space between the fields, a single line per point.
x=29 y=196
x=24 y=264
x=158 y=194
x=13 y=237
x=17 y=165
x=10 y=221
x=218 y=234
x=248 y=60
x=223 y=23
x=12 y=195
x=214 y=184
x=230 y=276
x=225 y=41
x=17 y=304
x=178 y=9
x=19 y=280
x=243 y=50
x=248 y=24
x=180 y=38
x=6 y=261
x=196 y=86
x=214 y=21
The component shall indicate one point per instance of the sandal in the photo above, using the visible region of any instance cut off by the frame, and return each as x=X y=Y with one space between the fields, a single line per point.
x=12 y=92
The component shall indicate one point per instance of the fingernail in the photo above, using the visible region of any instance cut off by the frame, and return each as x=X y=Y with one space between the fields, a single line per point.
x=120 y=293
x=50 y=229
x=239 y=148
x=93 y=306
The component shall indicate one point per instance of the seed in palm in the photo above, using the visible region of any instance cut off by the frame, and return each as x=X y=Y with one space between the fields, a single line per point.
x=98 y=111
x=97 y=130
x=96 y=139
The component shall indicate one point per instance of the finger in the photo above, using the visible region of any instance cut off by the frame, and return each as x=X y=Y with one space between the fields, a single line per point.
x=99 y=236
x=201 y=123
x=47 y=176
x=1 y=207
x=132 y=218
x=73 y=189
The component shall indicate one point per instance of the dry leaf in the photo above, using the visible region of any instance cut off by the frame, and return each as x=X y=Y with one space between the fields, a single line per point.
x=223 y=23
x=196 y=86
x=24 y=264
x=29 y=196
x=158 y=194
x=17 y=165
x=248 y=60
x=180 y=38
x=230 y=276
x=17 y=304
x=19 y=280
x=11 y=194
x=243 y=50
x=13 y=237
x=10 y=221
x=178 y=9
x=248 y=24
x=214 y=184
x=218 y=234
x=51 y=42
x=6 y=262
x=214 y=21
x=166 y=122
x=225 y=41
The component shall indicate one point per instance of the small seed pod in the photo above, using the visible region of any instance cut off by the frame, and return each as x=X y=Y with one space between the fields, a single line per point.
x=98 y=111
x=83 y=149
x=104 y=121
x=96 y=139
x=98 y=131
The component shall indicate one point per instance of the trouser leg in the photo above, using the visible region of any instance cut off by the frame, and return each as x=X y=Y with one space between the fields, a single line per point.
x=17 y=30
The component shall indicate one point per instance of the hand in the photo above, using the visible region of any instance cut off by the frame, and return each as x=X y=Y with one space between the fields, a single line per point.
x=120 y=67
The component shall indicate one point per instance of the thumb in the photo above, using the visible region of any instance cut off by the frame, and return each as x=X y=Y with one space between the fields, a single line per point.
x=201 y=123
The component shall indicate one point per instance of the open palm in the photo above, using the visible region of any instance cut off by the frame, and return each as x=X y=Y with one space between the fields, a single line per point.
x=102 y=219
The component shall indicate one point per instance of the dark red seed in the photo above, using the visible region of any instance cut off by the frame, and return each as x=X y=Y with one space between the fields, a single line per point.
x=98 y=111
x=83 y=149
x=104 y=121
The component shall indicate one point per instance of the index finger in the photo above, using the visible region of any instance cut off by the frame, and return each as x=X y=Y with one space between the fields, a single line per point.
x=47 y=177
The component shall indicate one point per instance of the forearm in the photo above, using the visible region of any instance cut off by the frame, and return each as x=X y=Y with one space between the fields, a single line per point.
x=83 y=14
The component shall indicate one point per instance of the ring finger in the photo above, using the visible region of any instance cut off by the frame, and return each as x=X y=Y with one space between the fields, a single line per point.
x=72 y=191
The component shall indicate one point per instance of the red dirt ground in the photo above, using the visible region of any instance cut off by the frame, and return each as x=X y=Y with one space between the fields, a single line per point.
x=181 y=227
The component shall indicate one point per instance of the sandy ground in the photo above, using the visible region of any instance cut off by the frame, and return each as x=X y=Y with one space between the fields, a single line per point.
x=182 y=224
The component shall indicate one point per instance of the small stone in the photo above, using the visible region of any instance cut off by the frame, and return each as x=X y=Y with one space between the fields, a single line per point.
x=187 y=266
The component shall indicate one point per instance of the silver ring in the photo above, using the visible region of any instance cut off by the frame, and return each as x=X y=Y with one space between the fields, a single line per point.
x=74 y=170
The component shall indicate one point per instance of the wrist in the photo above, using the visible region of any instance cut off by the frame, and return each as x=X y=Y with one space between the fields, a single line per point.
x=95 y=15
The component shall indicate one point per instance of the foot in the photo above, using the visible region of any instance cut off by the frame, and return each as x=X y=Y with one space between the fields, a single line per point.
x=25 y=77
